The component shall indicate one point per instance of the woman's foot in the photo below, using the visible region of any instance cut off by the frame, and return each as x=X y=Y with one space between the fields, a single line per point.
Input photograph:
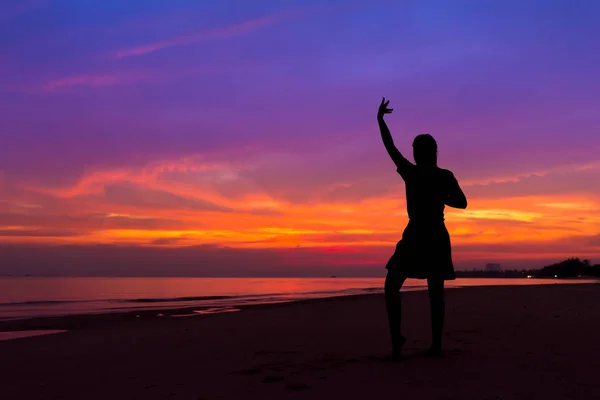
x=397 y=345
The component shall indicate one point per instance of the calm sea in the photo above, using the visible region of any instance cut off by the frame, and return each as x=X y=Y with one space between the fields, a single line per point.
x=31 y=296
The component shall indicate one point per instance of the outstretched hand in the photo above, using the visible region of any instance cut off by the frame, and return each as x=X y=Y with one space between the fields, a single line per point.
x=383 y=109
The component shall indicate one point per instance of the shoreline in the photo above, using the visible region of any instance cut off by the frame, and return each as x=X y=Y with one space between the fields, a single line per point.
x=70 y=322
x=85 y=321
x=19 y=308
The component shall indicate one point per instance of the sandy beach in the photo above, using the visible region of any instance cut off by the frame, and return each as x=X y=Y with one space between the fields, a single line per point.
x=520 y=342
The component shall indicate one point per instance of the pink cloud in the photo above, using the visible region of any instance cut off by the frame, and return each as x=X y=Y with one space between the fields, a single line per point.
x=218 y=33
x=89 y=80
x=231 y=30
x=122 y=78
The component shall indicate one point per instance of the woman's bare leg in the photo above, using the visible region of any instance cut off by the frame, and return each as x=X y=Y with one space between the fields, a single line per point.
x=393 y=284
x=438 y=305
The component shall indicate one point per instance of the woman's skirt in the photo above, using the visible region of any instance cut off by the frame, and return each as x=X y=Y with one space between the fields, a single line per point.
x=423 y=252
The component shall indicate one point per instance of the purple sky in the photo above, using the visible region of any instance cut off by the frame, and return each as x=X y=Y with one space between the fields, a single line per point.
x=284 y=93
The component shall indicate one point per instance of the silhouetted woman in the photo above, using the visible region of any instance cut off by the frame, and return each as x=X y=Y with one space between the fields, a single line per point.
x=424 y=252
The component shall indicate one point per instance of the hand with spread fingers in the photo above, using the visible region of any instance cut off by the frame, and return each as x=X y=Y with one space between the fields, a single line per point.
x=383 y=109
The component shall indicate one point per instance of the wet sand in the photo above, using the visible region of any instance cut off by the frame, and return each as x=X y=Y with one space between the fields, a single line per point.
x=520 y=342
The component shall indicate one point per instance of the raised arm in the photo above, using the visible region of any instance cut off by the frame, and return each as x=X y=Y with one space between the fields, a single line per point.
x=456 y=197
x=401 y=162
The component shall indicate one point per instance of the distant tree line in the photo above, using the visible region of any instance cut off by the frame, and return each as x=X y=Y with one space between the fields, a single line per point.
x=569 y=268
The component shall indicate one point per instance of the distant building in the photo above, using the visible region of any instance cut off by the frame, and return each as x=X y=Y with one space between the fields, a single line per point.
x=492 y=267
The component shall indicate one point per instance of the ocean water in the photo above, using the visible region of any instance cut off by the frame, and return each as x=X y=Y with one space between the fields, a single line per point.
x=33 y=297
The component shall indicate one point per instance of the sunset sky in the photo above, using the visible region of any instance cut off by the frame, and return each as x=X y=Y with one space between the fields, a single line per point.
x=220 y=137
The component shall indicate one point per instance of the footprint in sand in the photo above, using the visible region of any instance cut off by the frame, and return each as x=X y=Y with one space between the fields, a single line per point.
x=250 y=371
x=296 y=386
x=272 y=379
x=264 y=352
x=272 y=367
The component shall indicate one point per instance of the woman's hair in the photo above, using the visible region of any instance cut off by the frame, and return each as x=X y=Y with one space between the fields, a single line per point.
x=425 y=149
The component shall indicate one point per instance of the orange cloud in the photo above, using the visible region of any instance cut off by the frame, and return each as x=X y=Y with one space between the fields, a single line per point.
x=182 y=203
